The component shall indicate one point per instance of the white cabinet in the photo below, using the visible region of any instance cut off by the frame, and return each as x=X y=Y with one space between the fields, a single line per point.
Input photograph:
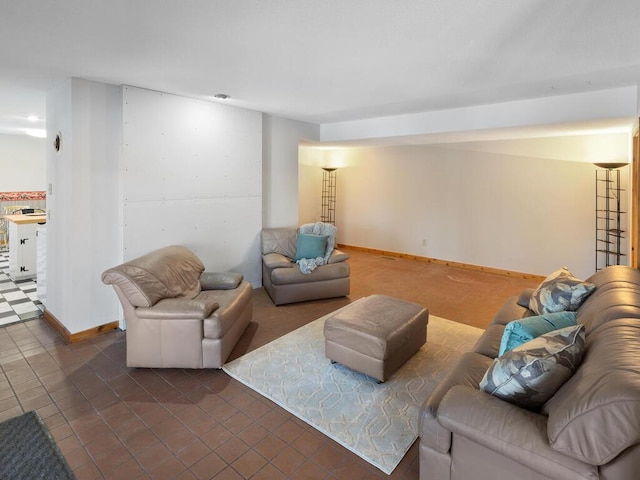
x=22 y=250
x=41 y=254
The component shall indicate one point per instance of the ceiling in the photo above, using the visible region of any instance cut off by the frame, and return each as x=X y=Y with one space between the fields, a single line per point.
x=318 y=61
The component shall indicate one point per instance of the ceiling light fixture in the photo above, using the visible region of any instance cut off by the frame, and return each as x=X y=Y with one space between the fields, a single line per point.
x=221 y=96
x=33 y=118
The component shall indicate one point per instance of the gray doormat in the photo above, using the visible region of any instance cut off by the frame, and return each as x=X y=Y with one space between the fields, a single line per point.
x=27 y=451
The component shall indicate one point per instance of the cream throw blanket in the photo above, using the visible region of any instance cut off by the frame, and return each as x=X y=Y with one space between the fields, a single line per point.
x=308 y=265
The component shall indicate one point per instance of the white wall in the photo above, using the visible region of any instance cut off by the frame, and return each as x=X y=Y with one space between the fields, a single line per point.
x=192 y=175
x=518 y=213
x=22 y=163
x=310 y=183
x=280 y=168
x=82 y=229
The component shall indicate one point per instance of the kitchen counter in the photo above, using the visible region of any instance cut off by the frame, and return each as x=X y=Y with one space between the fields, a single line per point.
x=25 y=219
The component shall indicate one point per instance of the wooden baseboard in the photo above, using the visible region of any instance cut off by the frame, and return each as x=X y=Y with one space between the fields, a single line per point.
x=79 y=336
x=478 y=268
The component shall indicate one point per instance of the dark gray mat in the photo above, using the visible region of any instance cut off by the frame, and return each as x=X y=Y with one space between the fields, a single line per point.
x=27 y=451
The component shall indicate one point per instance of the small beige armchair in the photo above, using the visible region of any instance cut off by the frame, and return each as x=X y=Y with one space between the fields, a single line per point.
x=177 y=315
x=284 y=281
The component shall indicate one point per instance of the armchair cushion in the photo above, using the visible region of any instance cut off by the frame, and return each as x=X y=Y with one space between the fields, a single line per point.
x=220 y=280
x=280 y=240
x=288 y=276
x=165 y=273
x=182 y=308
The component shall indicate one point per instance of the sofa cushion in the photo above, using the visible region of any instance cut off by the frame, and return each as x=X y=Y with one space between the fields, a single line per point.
x=280 y=240
x=560 y=291
x=168 y=272
x=521 y=331
x=489 y=342
x=509 y=311
x=610 y=304
x=530 y=374
x=595 y=415
x=310 y=246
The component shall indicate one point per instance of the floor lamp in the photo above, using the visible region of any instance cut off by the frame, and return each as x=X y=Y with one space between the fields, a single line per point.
x=329 y=195
x=609 y=225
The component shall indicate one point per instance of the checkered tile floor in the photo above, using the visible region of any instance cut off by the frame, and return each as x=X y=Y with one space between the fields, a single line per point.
x=18 y=300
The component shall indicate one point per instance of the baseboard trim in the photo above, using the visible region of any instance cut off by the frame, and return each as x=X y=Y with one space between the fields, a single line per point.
x=468 y=266
x=80 y=336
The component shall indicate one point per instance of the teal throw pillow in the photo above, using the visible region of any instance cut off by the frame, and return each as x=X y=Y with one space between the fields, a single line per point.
x=310 y=246
x=521 y=331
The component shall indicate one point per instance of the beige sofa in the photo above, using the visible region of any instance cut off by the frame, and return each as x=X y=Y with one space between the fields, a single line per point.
x=284 y=281
x=177 y=315
x=590 y=428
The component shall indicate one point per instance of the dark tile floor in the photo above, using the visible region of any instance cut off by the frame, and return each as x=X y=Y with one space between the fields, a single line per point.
x=113 y=422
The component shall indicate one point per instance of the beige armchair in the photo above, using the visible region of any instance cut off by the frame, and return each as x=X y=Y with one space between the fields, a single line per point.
x=177 y=315
x=283 y=279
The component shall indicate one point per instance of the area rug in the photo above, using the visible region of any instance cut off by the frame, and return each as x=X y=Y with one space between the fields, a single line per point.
x=378 y=422
x=27 y=451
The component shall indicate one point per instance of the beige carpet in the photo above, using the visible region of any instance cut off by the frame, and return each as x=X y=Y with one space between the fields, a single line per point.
x=378 y=422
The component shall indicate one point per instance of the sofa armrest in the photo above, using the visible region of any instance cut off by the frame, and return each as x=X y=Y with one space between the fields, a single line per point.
x=276 y=260
x=338 y=256
x=178 y=308
x=468 y=370
x=514 y=432
x=525 y=297
x=220 y=280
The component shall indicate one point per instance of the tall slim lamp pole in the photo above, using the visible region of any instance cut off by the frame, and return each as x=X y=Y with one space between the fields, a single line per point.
x=329 y=195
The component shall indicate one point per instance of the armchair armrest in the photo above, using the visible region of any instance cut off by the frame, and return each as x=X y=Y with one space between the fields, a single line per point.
x=514 y=432
x=178 y=308
x=338 y=256
x=276 y=260
x=220 y=280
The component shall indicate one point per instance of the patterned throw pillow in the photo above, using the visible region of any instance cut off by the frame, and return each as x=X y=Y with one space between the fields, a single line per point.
x=530 y=374
x=559 y=292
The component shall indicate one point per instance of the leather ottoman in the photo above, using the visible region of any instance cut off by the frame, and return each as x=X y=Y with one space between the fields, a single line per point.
x=376 y=335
